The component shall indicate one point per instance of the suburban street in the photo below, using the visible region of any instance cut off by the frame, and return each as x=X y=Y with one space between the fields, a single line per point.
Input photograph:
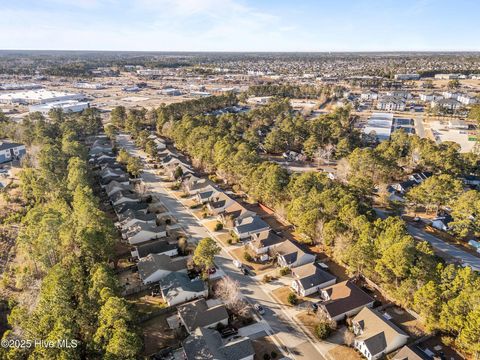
x=466 y=258
x=276 y=320
x=451 y=251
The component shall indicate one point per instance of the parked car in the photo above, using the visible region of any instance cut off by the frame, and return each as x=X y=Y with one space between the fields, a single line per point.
x=237 y=264
x=259 y=308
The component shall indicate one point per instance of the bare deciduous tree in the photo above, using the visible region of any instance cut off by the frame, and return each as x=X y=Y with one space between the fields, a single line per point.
x=228 y=291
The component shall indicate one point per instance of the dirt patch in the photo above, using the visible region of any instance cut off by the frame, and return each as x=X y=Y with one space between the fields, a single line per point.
x=198 y=213
x=145 y=303
x=309 y=320
x=210 y=225
x=281 y=294
x=344 y=352
x=407 y=322
x=224 y=237
x=157 y=335
x=188 y=202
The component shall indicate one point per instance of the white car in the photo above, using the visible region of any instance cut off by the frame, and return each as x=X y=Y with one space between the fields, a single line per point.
x=259 y=308
x=237 y=264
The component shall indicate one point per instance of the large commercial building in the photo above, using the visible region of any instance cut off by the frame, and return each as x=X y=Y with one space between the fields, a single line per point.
x=40 y=96
x=407 y=76
x=68 y=106
x=380 y=125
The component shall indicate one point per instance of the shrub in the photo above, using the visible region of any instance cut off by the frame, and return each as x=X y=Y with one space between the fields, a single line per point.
x=266 y=357
x=218 y=226
x=247 y=256
x=273 y=354
x=323 y=330
x=229 y=241
x=267 y=278
x=292 y=298
x=285 y=271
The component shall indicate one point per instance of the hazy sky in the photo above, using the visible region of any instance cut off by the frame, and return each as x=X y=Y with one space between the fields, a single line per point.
x=240 y=25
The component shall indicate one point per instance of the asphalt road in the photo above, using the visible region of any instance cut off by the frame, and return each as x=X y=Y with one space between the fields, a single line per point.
x=294 y=341
x=466 y=258
x=451 y=251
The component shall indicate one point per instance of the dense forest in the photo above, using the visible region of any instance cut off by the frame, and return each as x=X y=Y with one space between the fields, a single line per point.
x=339 y=214
x=63 y=251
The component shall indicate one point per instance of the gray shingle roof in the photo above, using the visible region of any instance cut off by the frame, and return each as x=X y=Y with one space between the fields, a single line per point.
x=206 y=344
x=197 y=314
x=250 y=224
x=311 y=275
x=154 y=247
x=153 y=262
x=176 y=282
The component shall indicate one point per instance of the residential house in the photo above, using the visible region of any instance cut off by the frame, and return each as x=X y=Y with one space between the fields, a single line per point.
x=219 y=203
x=263 y=241
x=172 y=168
x=99 y=147
x=404 y=186
x=400 y=94
x=449 y=104
x=375 y=336
x=429 y=97
x=202 y=313
x=123 y=208
x=111 y=172
x=248 y=226
x=233 y=212
x=207 y=344
x=411 y=352
x=142 y=232
x=451 y=94
x=10 y=151
x=177 y=288
x=310 y=278
x=159 y=143
x=154 y=267
x=195 y=185
x=291 y=254
x=157 y=246
x=369 y=95
x=206 y=194
x=467 y=99
x=115 y=186
x=131 y=217
x=441 y=222
x=123 y=179
x=343 y=300
x=391 y=103
x=122 y=196
x=420 y=177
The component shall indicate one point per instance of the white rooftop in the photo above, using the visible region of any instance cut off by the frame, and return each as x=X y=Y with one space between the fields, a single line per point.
x=40 y=95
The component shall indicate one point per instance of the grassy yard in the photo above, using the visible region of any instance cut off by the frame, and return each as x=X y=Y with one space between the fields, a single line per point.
x=145 y=303
x=344 y=352
x=309 y=320
x=281 y=294
x=258 y=268
x=265 y=346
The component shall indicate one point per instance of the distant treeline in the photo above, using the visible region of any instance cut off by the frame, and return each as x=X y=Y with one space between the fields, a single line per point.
x=286 y=90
